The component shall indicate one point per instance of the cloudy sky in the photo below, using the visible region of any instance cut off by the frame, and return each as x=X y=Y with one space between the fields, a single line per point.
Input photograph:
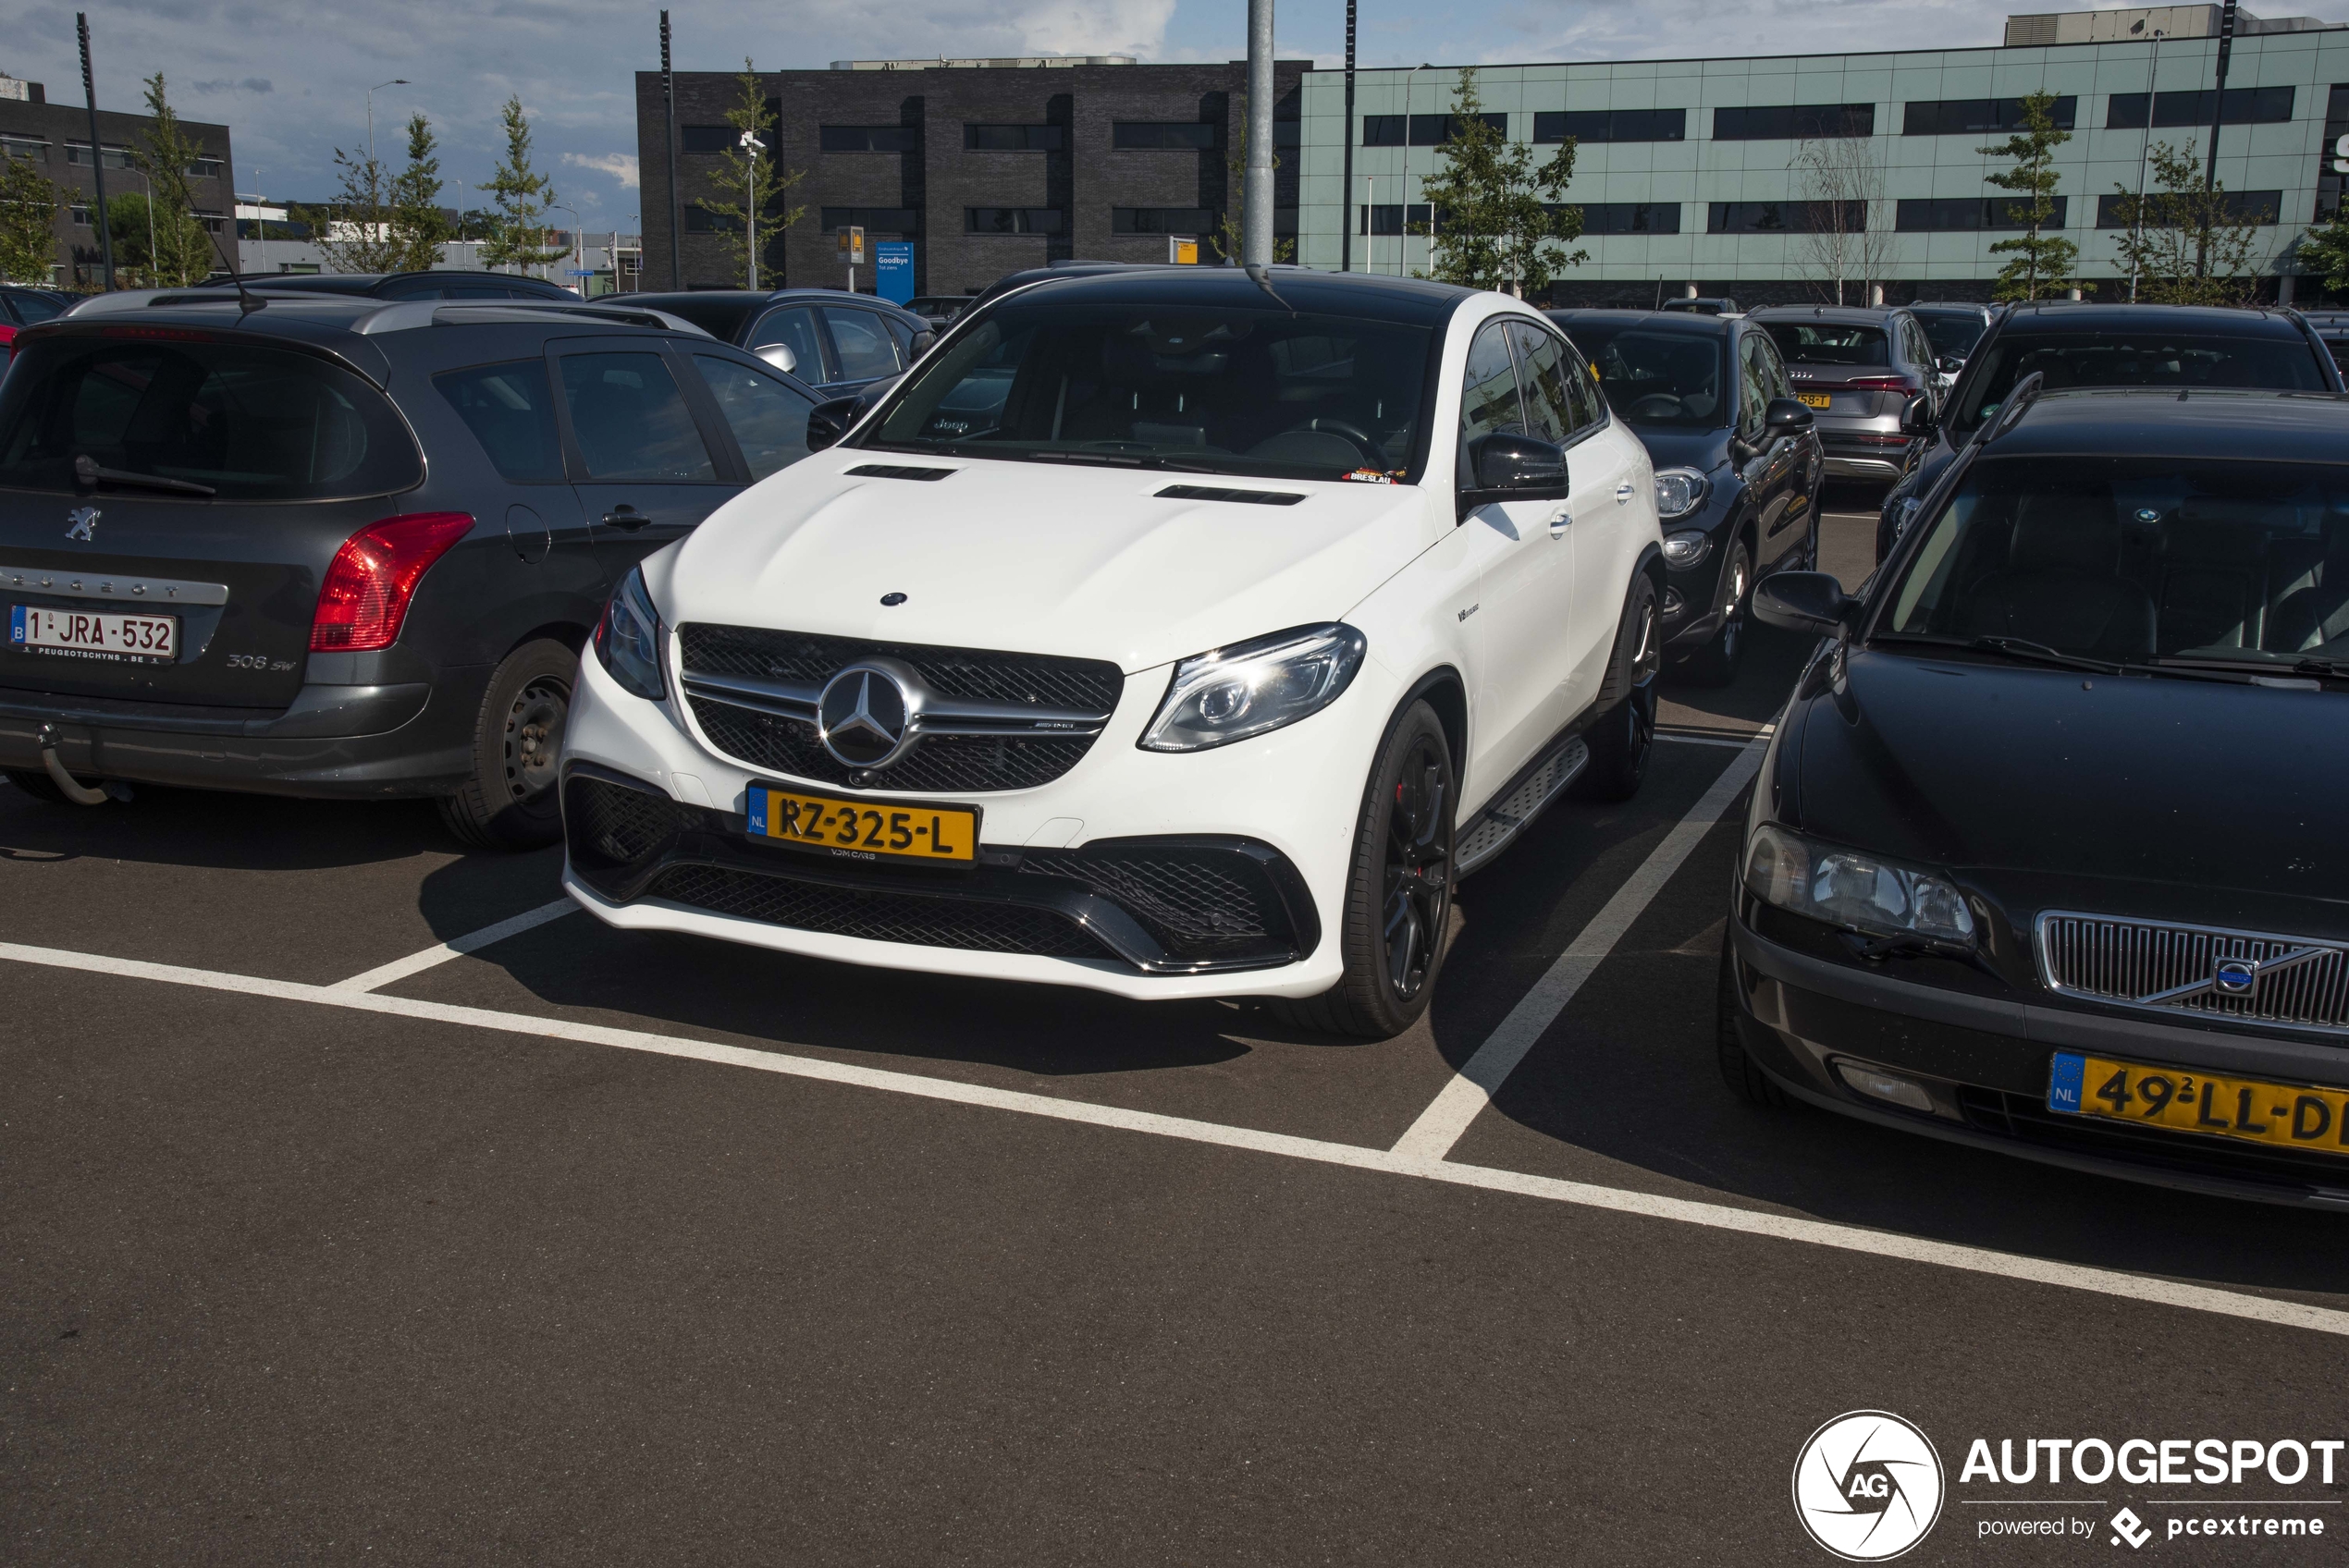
x=290 y=78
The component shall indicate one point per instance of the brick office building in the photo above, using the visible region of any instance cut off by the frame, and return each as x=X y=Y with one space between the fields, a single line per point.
x=56 y=138
x=986 y=166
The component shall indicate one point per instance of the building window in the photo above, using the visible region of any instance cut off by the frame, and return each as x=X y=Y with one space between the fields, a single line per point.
x=212 y=221
x=1595 y=125
x=1391 y=218
x=883 y=220
x=79 y=153
x=1946 y=215
x=1151 y=136
x=81 y=216
x=203 y=168
x=1288 y=133
x=1284 y=223
x=708 y=138
x=701 y=220
x=1418 y=131
x=2246 y=106
x=1793 y=122
x=1973 y=116
x=2256 y=207
x=1383 y=131
x=1010 y=220
x=1011 y=137
x=1786 y=217
x=1626 y=217
x=25 y=147
x=868 y=138
x=1162 y=220
x=2330 y=182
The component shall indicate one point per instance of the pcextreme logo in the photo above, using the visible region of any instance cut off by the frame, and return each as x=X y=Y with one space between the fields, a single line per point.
x=1867 y=1485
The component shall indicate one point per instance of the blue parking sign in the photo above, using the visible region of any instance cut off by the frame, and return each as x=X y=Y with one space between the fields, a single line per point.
x=893 y=270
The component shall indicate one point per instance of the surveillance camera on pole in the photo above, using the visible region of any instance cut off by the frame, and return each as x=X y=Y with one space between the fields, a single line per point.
x=752 y=145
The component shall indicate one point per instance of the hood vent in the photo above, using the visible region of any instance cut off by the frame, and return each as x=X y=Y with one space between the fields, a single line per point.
x=894 y=470
x=1216 y=492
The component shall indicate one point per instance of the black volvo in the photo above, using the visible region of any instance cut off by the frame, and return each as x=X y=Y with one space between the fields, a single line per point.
x=2047 y=853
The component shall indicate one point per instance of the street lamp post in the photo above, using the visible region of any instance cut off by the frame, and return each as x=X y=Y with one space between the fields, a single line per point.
x=395 y=82
x=2137 y=230
x=752 y=145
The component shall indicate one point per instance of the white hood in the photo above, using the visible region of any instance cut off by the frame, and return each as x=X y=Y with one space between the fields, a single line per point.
x=1034 y=558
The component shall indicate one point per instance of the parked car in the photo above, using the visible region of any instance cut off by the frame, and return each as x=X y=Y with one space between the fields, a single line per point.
x=835 y=341
x=2184 y=347
x=940 y=310
x=2332 y=328
x=342 y=547
x=1738 y=466
x=20 y=307
x=1158 y=634
x=1862 y=372
x=2041 y=855
x=1703 y=306
x=441 y=283
x=1953 y=327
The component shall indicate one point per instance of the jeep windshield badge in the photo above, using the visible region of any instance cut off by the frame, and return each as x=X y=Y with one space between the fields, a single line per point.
x=862 y=716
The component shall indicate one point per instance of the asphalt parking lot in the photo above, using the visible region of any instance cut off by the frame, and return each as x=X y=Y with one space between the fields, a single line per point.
x=321 y=1242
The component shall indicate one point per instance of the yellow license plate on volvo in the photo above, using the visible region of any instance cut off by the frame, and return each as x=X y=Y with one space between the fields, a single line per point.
x=2294 y=1116
x=938 y=835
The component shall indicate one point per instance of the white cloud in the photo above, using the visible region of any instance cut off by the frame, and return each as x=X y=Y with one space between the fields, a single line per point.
x=621 y=166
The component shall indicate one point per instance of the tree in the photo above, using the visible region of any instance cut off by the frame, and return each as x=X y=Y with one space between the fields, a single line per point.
x=757 y=181
x=1490 y=225
x=2323 y=252
x=29 y=203
x=418 y=227
x=2041 y=260
x=1840 y=184
x=2184 y=244
x=130 y=224
x=520 y=197
x=182 y=252
x=353 y=231
x=1227 y=240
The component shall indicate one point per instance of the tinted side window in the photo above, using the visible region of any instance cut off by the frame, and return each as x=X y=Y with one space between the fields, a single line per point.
x=1753 y=390
x=1488 y=397
x=631 y=421
x=769 y=420
x=33 y=307
x=1549 y=406
x=863 y=345
x=795 y=329
x=903 y=336
x=511 y=413
x=1774 y=373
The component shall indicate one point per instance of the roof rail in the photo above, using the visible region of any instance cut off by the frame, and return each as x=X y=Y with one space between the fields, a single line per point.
x=2026 y=392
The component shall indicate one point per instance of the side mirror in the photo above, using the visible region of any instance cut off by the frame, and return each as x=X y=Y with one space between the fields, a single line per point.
x=780 y=357
x=1786 y=416
x=828 y=421
x=1803 y=601
x=1949 y=365
x=1917 y=418
x=1510 y=466
x=923 y=343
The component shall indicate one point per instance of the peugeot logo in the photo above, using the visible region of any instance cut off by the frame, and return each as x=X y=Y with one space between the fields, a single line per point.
x=84 y=521
x=2235 y=976
x=863 y=717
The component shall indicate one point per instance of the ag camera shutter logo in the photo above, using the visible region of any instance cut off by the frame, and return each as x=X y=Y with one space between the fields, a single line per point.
x=1867 y=1485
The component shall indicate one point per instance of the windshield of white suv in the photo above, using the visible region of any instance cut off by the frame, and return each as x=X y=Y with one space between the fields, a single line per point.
x=1669 y=378
x=1207 y=390
x=2134 y=358
x=2137 y=560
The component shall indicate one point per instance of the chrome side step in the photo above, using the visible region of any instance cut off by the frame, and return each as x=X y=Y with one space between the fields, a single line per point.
x=1499 y=822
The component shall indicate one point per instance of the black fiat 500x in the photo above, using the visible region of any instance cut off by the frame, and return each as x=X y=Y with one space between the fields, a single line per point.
x=2047 y=853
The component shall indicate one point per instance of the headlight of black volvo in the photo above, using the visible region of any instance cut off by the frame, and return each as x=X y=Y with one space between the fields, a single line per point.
x=1858 y=891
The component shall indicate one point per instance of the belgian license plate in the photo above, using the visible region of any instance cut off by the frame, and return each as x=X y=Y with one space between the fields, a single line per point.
x=865 y=830
x=2297 y=1116
x=1815 y=400
x=37 y=629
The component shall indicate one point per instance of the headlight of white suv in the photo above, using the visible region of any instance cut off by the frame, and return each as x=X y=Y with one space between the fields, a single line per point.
x=628 y=638
x=1680 y=491
x=1249 y=688
x=1859 y=892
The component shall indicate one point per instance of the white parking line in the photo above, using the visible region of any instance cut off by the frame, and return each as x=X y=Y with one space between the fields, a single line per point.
x=456 y=947
x=1716 y=1217
x=1480 y=1077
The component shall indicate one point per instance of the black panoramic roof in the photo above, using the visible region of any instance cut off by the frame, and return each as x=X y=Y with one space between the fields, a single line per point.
x=1695 y=324
x=2159 y=421
x=1414 y=300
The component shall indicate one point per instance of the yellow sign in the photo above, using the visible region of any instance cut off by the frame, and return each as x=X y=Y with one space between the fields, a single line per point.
x=851 y=246
x=1184 y=251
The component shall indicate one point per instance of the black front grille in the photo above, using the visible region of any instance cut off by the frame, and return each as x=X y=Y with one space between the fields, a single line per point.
x=1199 y=904
x=939 y=765
x=980 y=675
x=876 y=914
x=2027 y=1119
x=611 y=826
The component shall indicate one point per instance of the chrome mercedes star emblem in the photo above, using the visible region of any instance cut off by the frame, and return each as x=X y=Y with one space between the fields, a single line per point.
x=862 y=716
x=85 y=524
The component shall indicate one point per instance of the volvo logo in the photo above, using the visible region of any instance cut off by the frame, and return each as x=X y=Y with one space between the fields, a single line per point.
x=2235 y=976
x=863 y=716
x=84 y=521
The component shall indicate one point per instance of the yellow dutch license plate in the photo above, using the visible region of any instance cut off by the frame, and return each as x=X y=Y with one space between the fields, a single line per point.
x=865 y=830
x=2297 y=1116
x=1815 y=400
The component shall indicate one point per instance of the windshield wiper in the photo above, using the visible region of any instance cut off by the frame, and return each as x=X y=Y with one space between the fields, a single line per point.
x=2023 y=648
x=91 y=475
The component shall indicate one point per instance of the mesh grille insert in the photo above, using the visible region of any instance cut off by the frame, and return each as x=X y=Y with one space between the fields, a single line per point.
x=617 y=825
x=940 y=765
x=1197 y=904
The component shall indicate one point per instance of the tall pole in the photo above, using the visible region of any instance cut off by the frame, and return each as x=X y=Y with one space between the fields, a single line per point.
x=2137 y=230
x=2218 y=99
x=668 y=130
x=97 y=149
x=752 y=145
x=1346 y=219
x=1256 y=222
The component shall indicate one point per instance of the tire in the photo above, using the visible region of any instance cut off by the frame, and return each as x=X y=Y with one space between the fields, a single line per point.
x=39 y=786
x=1746 y=1079
x=1715 y=664
x=1393 y=931
x=1625 y=734
x=511 y=800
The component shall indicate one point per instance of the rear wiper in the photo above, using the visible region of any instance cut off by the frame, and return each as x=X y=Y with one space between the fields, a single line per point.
x=91 y=475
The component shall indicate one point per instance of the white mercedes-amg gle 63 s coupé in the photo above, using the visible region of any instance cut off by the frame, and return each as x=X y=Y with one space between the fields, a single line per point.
x=1182 y=633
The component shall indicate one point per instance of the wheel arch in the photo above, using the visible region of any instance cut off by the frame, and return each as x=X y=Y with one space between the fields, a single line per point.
x=1443 y=690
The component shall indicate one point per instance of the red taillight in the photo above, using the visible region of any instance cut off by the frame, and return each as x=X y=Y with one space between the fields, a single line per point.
x=374 y=576
x=1878 y=384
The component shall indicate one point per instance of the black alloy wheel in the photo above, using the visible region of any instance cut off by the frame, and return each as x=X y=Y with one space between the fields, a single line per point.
x=1419 y=867
x=511 y=803
x=1715 y=664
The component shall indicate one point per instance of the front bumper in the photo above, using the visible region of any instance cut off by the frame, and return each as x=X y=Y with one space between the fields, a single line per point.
x=1210 y=873
x=1984 y=1062
x=334 y=743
